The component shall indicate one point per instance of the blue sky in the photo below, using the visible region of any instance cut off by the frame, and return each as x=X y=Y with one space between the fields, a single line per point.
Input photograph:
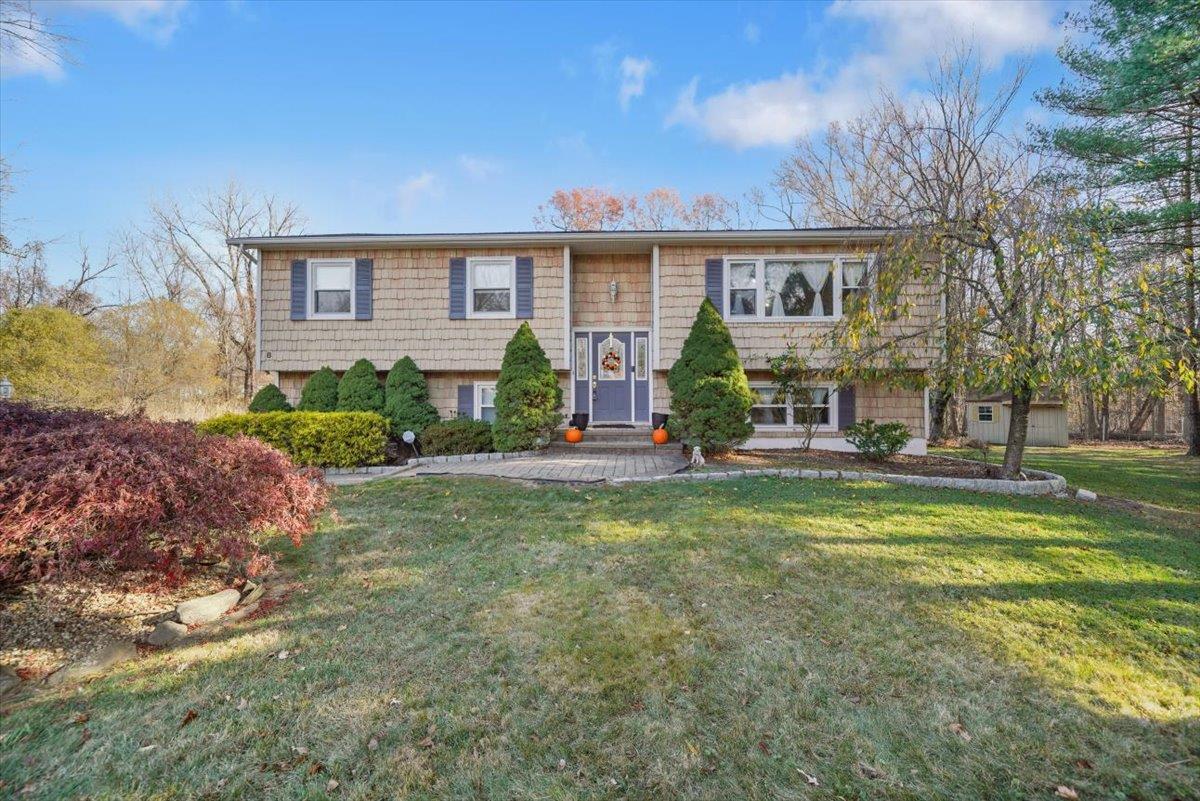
x=387 y=117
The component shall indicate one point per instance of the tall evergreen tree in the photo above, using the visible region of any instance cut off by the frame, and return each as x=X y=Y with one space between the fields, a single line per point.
x=528 y=396
x=406 y=399
x=710 y=397
x=1135 y=98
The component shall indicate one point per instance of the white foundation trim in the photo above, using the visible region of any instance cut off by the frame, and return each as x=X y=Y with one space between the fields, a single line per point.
x=915 y=447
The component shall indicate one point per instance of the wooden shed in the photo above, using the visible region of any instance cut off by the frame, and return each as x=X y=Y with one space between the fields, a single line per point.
x=988 y=416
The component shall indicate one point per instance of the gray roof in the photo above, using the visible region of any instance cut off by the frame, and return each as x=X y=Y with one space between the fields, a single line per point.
x=643 y=239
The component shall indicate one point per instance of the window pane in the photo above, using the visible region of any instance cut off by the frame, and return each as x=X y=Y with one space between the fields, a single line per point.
x=768 y=415
x=853 y=272
x=581 y=358
x=742 y=288
x=641 y=359
x=487 y=396
x=487 y=413
x=491 y=300
x=799 y=289
x=490 y=274
x=332 y=276
x=331 y=301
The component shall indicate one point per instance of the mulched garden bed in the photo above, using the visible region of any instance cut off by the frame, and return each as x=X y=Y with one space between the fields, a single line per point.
x=936 y=466
x=46 y=625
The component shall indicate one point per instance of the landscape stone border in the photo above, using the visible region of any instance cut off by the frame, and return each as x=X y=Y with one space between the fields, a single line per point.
x=1043 y=483
x=468 y=457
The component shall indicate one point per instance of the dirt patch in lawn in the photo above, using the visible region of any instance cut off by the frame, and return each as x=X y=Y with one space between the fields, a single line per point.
x=44 y=626
x=833 y=460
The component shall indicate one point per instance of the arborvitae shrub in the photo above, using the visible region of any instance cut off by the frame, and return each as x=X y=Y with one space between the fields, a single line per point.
x=359 y=390
x=270 y=399
x=528 y=396
x=710 y=397
x=320 y=392
x=406 y=399
x=317 y=439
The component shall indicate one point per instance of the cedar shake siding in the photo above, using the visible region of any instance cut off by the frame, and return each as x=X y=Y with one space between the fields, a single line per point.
x=410 y=313
x=592 y=305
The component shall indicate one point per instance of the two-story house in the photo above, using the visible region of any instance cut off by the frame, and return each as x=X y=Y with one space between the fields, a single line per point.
x=611 y=309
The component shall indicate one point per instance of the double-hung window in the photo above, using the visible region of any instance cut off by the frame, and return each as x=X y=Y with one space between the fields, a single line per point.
x=491 y=287
x=854 y=282
x=786 y=288
x=772 y=408
x=983 y=413
x=332 y=288
x=485 y=402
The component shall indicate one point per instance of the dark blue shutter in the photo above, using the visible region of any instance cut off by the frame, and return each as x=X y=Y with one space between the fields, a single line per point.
x=299 y=290
x=466 y=400
x=524 y=287
x=458 y=288
x=714 y=283
x=364 y=269
x=845 y=402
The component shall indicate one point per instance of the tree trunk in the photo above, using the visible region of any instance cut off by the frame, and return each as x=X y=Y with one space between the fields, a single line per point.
x=939 y=401
x=1191 y=427
x=1018 y=430
x=1090 y=426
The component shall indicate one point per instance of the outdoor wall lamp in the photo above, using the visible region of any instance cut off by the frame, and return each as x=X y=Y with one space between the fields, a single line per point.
x=612 y=290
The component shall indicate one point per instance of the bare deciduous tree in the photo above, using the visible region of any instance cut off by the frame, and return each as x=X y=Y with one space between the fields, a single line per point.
x=663 y=209
x=193 y=237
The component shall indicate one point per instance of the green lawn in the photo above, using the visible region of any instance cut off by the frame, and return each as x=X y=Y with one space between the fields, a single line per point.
x=1159 y=477
x=477 y=639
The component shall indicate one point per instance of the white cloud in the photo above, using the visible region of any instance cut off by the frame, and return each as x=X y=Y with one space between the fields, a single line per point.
x=156 y=20
x=574 y=145
x=479 y=167
x=413 y=190
x=777 y=111
x=633 y=79
x=751 y=33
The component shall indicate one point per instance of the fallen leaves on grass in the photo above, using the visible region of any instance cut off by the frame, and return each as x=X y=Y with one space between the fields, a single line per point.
x=961 y=731
x=1063 y=791
x=811 y=779
x=188 y=717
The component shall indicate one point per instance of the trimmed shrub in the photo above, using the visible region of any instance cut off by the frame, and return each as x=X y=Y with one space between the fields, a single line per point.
x=316 y=439
x=359 y=389
x=878 y=441
x=320 y=392
x=528 y=396
x=270 y=399
x=406 y=399
x=710 y=397
x=457 y=436
x=83 y=489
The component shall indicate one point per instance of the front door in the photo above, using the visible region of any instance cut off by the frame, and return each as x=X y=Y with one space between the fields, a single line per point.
x=612 y=377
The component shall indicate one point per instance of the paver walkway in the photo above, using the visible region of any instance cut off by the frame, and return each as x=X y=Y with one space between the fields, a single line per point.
x=566 y=467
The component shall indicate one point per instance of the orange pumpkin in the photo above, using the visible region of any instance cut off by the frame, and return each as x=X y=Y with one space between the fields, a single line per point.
x=574 y=435
x=660 y=436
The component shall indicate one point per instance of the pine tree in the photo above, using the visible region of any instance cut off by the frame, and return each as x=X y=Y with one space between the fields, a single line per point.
x=528 y=396
x=320 y=392
x=710 y=397
x=406 y=399
x=1136 y=140
x=359 y=389
x=270 y=399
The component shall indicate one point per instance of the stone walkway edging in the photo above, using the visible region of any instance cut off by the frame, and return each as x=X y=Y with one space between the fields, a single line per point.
x=373 y=470
x=1044 y=484
x=467 y=457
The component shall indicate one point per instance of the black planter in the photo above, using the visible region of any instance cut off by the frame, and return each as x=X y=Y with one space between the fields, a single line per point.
x=658 y=419
x=580 y=420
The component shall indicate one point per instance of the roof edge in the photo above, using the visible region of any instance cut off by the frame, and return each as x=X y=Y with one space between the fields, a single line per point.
x=484 y=239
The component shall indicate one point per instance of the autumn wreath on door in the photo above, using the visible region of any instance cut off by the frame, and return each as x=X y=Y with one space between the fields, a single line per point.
x=612 y=356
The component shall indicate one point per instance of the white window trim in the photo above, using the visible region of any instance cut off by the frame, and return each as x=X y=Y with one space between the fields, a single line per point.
x=311 y=291
x=511 y=314
x=760 y=286
x=476 y=404
x=990 y=411
x=791 y=424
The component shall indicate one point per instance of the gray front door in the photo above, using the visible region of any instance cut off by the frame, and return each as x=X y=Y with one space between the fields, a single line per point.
x=612 y=377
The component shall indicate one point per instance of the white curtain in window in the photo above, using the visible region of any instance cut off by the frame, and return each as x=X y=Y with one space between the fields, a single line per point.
x=852 y=272
x=815 y=273
x=777 y=274
x=490 y=275
x=331 y=276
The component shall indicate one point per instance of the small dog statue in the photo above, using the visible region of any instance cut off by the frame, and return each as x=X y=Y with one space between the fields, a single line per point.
x=697 y=457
